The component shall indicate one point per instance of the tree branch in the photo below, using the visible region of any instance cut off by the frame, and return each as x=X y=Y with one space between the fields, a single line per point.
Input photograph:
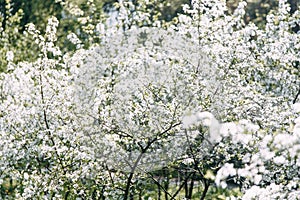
x=297 y=95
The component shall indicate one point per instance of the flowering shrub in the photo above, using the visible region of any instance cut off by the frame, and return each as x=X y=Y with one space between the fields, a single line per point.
x=152 y=111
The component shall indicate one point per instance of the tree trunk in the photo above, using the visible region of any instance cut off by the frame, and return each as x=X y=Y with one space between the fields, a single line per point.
x=190 y=193
x=158 y=190
x=206 y=186
x=166 y=184
x=186 y=188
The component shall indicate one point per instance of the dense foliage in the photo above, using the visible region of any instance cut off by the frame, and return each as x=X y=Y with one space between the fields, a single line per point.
x=140 y=107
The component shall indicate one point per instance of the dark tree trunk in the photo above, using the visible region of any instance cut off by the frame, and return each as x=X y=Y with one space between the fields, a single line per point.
x=166 y=184
x=206 y=186
x=158 y=190
x=190 y=193
x=186 y=188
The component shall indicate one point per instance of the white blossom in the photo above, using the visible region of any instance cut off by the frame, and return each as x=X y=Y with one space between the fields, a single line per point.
x=10 y=56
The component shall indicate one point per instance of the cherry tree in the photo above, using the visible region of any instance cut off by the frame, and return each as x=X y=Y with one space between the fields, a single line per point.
x=206 y=96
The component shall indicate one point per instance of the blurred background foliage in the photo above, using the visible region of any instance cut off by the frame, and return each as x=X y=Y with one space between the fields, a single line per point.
x=82 y=16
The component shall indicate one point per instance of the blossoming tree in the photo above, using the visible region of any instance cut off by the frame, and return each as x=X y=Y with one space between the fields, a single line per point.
x=155 y=110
